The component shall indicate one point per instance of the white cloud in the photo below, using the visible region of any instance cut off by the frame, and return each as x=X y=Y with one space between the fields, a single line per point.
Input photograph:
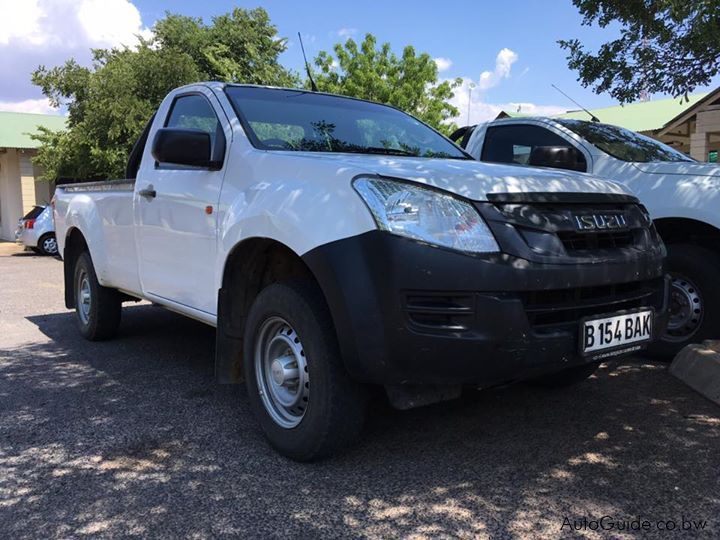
x=470 y=95
x=346 y=32
x=111 y=22
x=21 y=20
x=443 y=64
x=481 y=110
x=49 y=32
x=38 y=106
x=70 y=23
x=503 y=64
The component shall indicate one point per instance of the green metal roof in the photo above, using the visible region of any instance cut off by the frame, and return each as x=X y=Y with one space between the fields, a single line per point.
x=513 y=114
x=15 y=128
x=641 y=116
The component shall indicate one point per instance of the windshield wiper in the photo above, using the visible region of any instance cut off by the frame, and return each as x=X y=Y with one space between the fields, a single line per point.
x=386 y=151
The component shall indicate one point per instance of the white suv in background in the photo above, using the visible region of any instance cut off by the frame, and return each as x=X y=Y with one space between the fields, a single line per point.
x=681 y=195
x=36 y=230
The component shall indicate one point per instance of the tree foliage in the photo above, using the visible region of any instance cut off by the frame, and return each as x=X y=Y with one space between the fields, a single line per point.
x=409 y=82
x=666 y=46
x=109 y=103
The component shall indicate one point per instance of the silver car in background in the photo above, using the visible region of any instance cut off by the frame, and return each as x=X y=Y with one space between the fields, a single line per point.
x=36 y=230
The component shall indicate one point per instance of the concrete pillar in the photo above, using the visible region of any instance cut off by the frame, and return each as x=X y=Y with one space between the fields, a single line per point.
x=11 y=203
x=707 y=121
x=699 y=146
x=27 y=181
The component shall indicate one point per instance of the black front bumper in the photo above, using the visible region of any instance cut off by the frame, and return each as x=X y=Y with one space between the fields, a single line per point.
x=406 y=312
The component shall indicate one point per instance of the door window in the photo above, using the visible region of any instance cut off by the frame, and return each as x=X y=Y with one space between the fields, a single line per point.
x=193 y=111
x=515 y=143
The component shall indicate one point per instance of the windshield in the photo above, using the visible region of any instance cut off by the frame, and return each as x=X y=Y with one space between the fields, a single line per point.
x=278 y=119
x=622 y=143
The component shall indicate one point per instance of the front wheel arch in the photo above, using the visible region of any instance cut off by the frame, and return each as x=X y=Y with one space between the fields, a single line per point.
x=252 y=265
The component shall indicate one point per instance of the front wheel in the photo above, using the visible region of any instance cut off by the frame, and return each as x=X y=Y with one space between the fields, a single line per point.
x=694 y=299
x=97 y=308
x=305 y=402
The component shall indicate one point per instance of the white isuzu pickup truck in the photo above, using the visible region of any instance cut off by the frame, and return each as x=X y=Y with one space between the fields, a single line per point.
x=682 y=196
x=338 y=244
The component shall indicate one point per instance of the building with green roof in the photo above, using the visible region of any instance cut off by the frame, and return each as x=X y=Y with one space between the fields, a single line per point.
x=20 y=187
x=643 y=116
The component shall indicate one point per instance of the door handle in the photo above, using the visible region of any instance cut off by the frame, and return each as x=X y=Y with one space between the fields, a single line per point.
x=149 y=192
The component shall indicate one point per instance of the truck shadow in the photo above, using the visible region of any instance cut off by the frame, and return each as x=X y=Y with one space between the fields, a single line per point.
x=133 y=437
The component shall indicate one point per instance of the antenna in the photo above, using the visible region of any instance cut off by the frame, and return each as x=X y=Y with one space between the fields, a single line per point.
x=591 y=115
x=307 y=67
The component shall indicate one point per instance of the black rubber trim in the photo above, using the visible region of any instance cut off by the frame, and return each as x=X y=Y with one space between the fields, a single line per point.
x=570 y=198
x=377 y=286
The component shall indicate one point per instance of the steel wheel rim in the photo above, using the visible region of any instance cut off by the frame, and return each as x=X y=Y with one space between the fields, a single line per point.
x=50 y=245
x=686 y=309
x=84 y=297
x=281 y=372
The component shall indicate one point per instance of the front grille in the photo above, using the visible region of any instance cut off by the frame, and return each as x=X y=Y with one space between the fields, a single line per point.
x=560 y=308
x=576 y=241
x=551 y=230
x=440 y=312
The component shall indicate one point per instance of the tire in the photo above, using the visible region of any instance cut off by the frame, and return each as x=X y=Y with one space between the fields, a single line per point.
x=694 y=299
x=47 y=244
x=566 y=377
x=97 y=308
x=309 y=407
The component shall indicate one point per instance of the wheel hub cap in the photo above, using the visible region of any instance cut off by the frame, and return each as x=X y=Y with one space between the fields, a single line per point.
x=84 y=298
x=281 y=372
x=686 y=309
x=50 y=245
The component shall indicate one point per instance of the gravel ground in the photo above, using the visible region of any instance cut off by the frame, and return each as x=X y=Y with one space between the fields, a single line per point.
x=133 y=438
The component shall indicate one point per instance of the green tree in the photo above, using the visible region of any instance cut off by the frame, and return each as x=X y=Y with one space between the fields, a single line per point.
x=667 y=46
x=109 y=102
x=239 y=46
x=409 y=82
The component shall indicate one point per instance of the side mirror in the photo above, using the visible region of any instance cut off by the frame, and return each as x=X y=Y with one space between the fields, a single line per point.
x=181 y=146
x=558 y=157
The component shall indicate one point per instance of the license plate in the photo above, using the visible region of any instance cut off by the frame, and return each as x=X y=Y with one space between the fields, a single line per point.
x=615 y=331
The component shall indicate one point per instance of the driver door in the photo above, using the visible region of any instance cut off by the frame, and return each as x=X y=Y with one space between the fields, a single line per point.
x=176 y=211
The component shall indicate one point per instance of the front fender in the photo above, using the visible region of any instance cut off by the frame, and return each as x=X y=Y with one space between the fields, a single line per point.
x=302 y=215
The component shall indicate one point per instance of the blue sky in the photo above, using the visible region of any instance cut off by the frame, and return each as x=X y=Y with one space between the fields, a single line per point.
x=508 y=49
x=469 y=33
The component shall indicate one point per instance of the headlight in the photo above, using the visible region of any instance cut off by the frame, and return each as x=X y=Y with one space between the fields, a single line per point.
x=426 y=215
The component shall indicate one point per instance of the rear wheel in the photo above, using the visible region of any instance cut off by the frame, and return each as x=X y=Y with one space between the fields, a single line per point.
x=97 y=308
x=566 y=377
x=305 y=402
x=47 y=244
x=694 y=298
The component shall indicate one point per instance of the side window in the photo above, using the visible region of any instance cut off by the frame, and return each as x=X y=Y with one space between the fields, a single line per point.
x=193 y=111
x=515 y=144
x=282 y=136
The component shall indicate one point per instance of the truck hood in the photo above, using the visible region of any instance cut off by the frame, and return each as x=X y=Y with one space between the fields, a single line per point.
x=685 y=168
x=468 y=178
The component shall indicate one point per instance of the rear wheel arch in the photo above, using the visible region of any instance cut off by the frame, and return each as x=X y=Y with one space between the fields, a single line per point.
x=251 y=265
x=75 y=245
